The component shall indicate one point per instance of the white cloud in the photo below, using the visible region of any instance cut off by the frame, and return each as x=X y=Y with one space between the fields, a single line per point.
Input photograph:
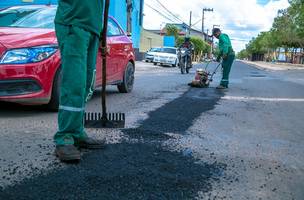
x=242 y=20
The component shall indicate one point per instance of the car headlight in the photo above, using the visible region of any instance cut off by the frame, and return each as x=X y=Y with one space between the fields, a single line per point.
x=28 y=55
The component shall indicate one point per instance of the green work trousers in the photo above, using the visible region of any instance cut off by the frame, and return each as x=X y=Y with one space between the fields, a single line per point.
x=227 y=63
x=78 y=49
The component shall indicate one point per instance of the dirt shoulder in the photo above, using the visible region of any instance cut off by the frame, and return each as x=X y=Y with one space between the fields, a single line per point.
x=274 y=66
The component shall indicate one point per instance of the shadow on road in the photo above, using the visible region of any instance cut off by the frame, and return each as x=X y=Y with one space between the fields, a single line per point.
x=137 y=168
x=16 y=110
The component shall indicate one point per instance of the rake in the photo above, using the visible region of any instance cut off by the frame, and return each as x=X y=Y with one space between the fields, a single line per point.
x=104 y=119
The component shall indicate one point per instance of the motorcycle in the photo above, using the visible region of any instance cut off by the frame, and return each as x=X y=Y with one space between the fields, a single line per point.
x=184 y=60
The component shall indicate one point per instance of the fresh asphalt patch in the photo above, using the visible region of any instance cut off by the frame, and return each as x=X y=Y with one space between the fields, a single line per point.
x=137 y=168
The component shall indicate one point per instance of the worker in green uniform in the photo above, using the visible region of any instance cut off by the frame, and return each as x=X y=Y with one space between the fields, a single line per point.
x=226 y=53
x=78 y=25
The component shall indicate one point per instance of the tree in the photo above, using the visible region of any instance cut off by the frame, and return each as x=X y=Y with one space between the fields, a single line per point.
x=287 y=32
x=200 y=46
x=172 y=30
x=296 y=11
x=179 y=41
x=243 y=54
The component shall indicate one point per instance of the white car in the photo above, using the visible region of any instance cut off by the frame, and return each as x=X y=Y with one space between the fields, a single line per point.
x=149 y=57
x=166 y=56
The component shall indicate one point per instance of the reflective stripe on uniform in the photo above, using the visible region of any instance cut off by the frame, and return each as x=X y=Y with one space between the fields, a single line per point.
x=71 y=109
x=91 y=90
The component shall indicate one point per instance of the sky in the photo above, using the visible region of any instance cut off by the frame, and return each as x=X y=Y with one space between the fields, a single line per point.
x=240 y=19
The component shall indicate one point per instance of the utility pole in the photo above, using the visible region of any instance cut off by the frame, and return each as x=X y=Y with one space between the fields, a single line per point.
x=190 y=23
x=129 y=16
x=203 y=18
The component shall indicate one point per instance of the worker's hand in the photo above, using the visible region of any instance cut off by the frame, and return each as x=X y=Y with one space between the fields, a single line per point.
x=105 y=51
x=225 y=56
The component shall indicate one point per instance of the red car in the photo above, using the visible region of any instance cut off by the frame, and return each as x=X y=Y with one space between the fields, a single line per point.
x=30 y=59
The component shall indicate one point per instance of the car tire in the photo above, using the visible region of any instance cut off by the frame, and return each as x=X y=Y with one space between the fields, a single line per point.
x=128 y=80
x=54 y=102
x=154 y=63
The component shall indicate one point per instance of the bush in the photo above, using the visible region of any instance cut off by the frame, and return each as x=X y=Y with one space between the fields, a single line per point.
x=200 y=46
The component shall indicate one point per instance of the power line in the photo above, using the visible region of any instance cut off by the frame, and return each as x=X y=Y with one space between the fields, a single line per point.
x=159 y=13
x=172 y=14
x=196 y=22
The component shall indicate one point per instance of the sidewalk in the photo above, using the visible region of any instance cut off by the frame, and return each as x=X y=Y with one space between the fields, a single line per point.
x=274 y=66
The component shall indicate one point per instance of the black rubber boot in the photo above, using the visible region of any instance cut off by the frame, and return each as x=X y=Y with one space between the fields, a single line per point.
x=221 y=87
x=90 y=143
x=67 y=153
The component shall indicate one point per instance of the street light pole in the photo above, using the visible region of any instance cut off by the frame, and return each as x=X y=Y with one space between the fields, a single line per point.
x=203 y=18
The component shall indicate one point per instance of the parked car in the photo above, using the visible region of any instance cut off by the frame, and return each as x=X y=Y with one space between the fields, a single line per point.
x=149 y=57
x=30 y=58
x=166 y=56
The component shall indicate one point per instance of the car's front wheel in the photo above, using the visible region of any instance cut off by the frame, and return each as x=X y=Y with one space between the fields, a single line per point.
x=54 y=102
x=128 y=80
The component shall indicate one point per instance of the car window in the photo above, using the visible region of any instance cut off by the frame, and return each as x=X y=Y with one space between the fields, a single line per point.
x=40 y=19
x=155 y=50
x=11 y=15
x=169 y=50
x=113 y=28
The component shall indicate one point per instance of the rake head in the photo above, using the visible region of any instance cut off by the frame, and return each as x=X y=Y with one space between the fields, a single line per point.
x=112 y=120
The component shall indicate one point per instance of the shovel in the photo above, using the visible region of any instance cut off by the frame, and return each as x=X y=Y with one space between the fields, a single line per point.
x=104 y=119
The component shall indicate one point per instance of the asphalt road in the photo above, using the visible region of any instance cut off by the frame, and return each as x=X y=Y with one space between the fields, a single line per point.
x=180 y=142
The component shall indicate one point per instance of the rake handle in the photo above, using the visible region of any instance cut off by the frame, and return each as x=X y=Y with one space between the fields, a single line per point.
x=104 y=59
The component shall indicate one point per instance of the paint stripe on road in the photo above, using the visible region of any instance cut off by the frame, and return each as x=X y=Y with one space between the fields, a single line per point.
x=242 y=98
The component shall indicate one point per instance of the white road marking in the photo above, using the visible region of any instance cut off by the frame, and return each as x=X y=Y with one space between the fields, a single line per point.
x=274 y=99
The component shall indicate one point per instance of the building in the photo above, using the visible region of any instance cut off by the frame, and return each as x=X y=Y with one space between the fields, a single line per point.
x=129 y=13
x=149 y=39
x=298 y=56
x=184 y=30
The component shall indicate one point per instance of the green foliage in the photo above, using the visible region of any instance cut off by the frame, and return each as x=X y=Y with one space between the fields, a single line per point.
x=172 y=30
x=179 y=41
x=200 y=46
x=287 y=31
x=243 y=54
x=216 y=51
x=296 y=11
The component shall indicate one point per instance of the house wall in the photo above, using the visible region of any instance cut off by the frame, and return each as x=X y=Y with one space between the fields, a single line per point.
x=169 y=41
x=149 y=40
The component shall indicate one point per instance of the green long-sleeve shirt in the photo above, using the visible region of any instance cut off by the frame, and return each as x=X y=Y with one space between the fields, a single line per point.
x=225 y=44
x=86 y=14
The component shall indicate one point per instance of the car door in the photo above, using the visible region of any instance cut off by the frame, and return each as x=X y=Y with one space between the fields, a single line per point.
x=116 y=54
x=119 y=49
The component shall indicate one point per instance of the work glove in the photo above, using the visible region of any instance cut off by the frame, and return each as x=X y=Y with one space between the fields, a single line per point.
x=225 y=56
